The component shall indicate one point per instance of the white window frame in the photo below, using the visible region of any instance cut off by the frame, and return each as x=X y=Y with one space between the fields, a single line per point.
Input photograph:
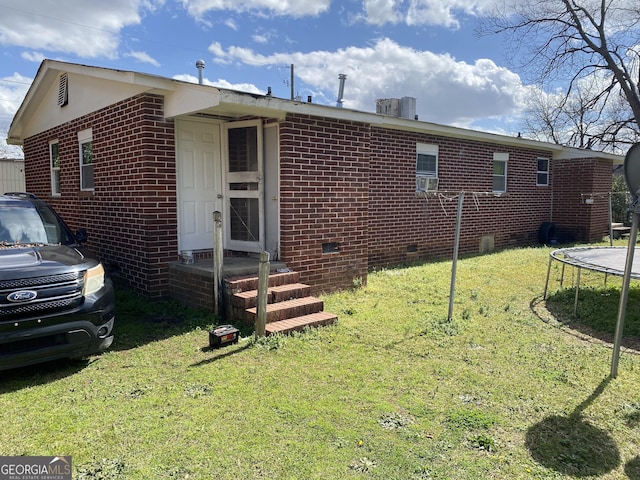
x=427 y=149
x=499 y=158
x=431 y=150
x=542 y=173
x=55 y=170
x=84 y=137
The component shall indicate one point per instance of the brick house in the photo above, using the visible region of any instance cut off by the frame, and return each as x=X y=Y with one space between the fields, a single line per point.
x=142 y=161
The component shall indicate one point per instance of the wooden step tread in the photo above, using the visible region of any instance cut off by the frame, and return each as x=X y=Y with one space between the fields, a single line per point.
x=299 y=323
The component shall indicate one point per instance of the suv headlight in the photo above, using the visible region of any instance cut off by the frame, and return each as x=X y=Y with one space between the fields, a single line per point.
x=93 y=280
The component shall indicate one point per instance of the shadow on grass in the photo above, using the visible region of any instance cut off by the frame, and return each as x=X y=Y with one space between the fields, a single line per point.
x=632 y=468
x=40 y=374
x=220 y=353
x=597 y=314
x=139 y=321
x=572 y=446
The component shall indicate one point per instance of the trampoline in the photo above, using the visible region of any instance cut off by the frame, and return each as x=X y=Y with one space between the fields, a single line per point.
x=607 y=260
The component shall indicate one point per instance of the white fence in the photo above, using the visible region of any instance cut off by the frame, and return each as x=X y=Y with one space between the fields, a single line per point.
x=12 y=175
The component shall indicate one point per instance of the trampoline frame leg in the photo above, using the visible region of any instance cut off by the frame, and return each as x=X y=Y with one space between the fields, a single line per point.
x=546 y=284
x=575 y=303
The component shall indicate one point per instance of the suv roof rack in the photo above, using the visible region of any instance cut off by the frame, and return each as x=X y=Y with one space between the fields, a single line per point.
x=21 y=194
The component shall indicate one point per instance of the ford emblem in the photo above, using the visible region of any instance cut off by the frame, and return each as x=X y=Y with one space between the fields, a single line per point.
x=22 y=296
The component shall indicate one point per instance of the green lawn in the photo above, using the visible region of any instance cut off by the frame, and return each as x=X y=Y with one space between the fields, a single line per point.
x=507 y=389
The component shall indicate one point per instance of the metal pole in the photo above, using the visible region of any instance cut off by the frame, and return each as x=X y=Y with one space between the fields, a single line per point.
x=218 y=260
x=575 y=302
x=624 y=294
x=610 y=223
x=456 y=246
x=292 y=89
x=263 y=287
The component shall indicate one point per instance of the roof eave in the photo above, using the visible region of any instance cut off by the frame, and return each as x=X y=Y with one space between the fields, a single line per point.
x=49 y=70
x=255 y=104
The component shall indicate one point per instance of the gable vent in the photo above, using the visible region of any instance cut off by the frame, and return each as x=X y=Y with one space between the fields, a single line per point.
x=63 y=90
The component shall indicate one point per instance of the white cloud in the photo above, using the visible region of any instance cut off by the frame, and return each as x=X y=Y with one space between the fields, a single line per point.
x=431 y=13
x=260 y=38
x=379 y=12
x=445 y=13
x=86 y=29
x=35 y=57
x=13 y=88
x=446 y=91
x=230 y=22
x=143 y=57
x=294 y=8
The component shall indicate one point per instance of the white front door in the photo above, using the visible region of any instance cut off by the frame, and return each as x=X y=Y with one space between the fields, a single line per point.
x=199 y=180
x=244 y=193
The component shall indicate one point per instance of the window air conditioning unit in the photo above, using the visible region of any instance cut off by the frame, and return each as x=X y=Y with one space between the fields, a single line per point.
x=426 y=183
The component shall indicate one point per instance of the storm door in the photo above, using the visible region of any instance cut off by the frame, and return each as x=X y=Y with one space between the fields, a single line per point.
x=244 y=187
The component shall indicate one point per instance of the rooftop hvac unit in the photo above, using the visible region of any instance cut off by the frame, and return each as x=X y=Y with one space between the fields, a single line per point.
x=426 y=183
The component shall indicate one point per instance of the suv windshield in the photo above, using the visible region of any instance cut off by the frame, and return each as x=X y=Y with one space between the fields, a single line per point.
x=25 y=223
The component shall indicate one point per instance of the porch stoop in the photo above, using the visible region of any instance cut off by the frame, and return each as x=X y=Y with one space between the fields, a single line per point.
x=290 y=306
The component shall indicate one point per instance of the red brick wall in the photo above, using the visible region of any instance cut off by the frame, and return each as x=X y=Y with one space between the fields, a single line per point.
x=131 y=215
x=324 y=196
x=344 y=184
x=575 y=181
x=403 y=228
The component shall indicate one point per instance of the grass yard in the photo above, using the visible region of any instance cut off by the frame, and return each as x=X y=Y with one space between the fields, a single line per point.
x=508 y=389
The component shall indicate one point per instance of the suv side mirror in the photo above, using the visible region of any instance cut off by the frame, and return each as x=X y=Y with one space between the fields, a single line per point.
x=81 y=236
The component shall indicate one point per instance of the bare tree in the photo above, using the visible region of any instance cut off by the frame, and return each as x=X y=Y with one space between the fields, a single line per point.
x=8 y=151
x=592 y=47
x=571 y=118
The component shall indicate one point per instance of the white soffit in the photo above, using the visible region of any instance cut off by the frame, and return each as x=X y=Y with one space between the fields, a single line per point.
x=189 y=98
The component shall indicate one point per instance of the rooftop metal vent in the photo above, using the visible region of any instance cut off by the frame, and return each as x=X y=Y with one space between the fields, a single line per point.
x=342 y=77
x=200 y=67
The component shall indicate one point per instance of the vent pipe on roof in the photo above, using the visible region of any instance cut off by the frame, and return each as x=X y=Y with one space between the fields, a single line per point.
x=200 y=67
x=342 y=77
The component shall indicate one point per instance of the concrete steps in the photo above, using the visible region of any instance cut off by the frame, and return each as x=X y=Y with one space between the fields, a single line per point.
x=290 y=306
x=619 y=230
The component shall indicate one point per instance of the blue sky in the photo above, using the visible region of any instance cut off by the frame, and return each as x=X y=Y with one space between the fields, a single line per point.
x=425 y=49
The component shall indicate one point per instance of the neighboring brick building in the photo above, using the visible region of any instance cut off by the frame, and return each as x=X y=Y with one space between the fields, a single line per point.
x=142 y=161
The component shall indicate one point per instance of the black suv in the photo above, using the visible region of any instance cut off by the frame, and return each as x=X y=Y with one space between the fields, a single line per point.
x=55 y=300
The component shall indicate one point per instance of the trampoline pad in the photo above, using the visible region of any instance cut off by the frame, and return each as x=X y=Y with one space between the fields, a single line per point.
x=611 y=260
